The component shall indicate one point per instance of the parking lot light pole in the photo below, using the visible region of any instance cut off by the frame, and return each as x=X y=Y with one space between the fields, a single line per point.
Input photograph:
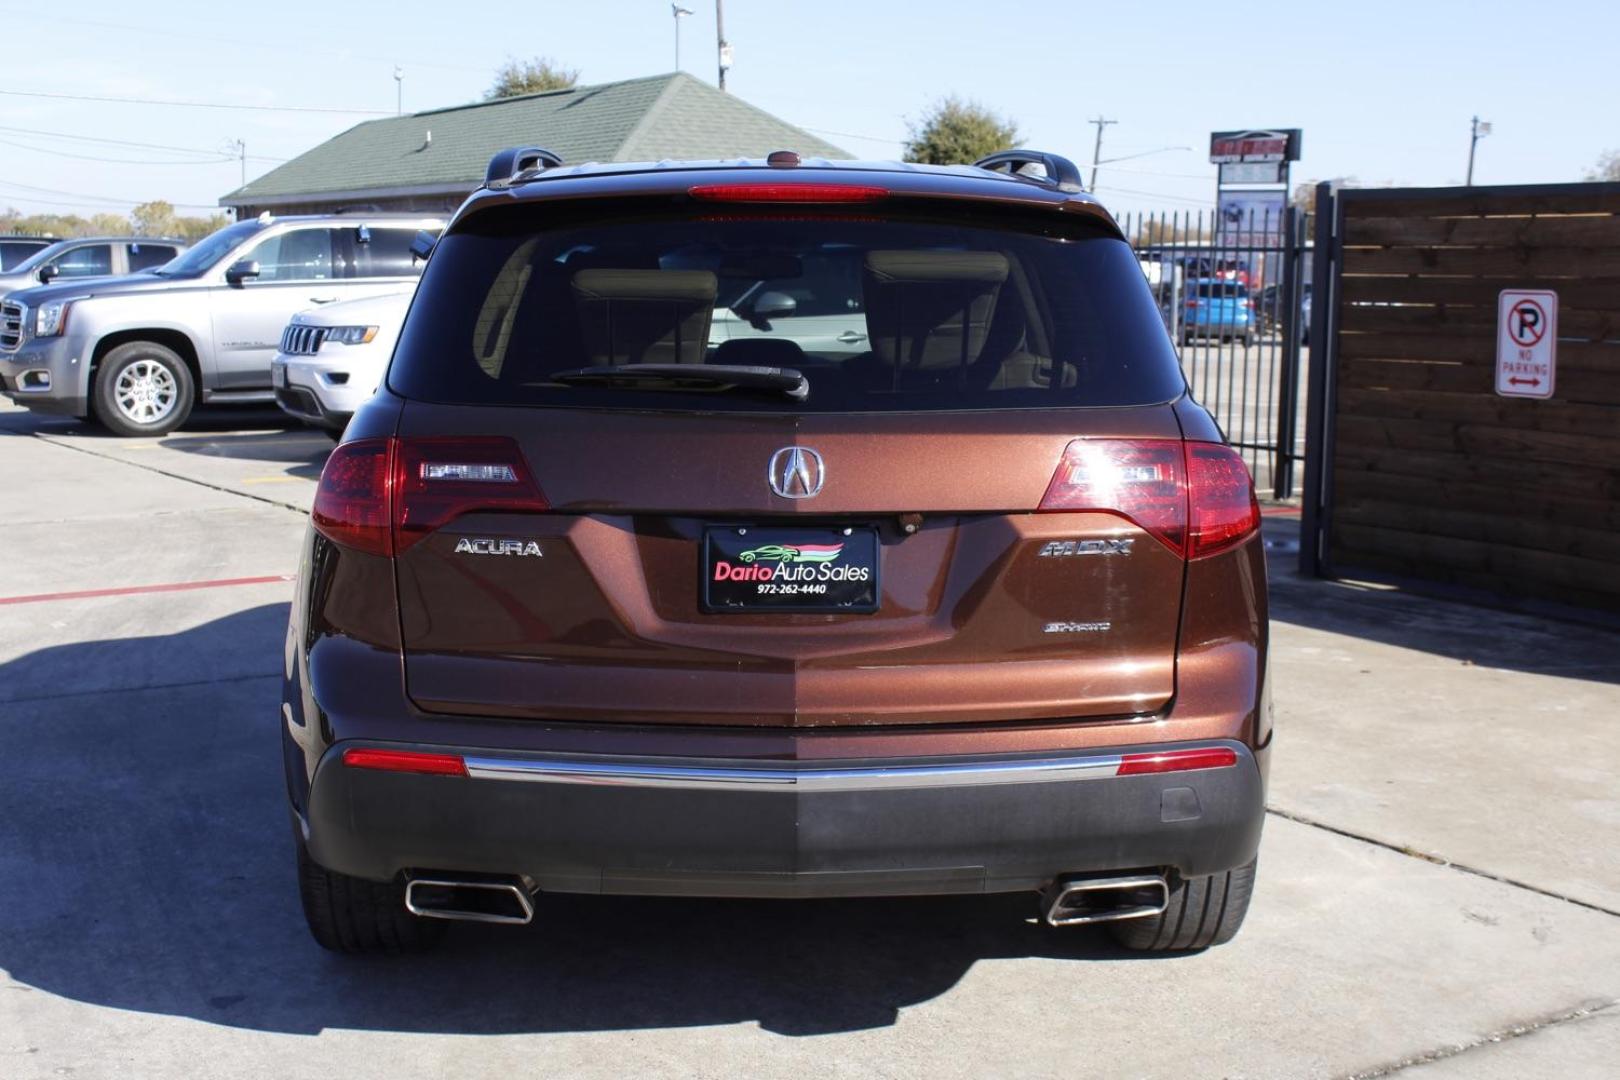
x=1480 y=130
x=679 y=13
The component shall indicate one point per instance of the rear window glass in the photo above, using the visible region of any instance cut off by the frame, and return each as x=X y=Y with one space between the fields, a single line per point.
x=14 y=252
x=1215 y=289
x=878 y=314
x=146 y=256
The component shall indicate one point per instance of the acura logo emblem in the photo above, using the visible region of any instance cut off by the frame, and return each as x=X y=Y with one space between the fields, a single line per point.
x=796 y=472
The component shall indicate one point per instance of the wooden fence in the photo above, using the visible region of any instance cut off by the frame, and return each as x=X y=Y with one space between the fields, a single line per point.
x=1421 y=471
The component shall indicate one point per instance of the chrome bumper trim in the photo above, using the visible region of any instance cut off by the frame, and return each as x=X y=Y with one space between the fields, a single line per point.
x=794 y=778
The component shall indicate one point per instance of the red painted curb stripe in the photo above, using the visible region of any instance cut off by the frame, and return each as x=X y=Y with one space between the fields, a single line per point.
x=133 y=590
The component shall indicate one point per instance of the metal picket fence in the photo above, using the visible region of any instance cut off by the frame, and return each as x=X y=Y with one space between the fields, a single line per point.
x=1234 y=295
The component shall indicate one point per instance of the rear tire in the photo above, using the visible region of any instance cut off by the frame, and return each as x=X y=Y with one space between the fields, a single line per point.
x=1203 y=911
x=351 y=915
x=142 y=388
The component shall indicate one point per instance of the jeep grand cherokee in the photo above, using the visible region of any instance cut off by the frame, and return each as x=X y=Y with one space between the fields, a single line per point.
x=779 y=529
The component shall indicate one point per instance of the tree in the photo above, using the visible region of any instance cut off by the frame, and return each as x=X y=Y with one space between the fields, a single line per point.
x=192 y=229
x=1305 y=194
x=957 y=132
x=109 y=225
x=530 y=77
x=155 y=218
x=1607 y=167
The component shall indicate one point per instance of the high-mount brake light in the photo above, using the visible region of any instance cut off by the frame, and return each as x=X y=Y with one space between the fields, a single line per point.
x=352 y=501
x=788 y=193
x=406 y=761
x=381 y=496
x=439 y=479
x=1195 y=498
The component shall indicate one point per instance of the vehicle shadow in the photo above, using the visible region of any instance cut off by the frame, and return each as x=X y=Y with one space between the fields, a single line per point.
x=298 y=451
x=146 y=864
x=1487 y=637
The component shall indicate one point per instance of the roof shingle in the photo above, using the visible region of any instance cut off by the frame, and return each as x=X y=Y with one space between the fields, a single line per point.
x=647 y=119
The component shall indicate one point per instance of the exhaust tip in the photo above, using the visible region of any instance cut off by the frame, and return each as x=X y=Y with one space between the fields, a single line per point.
x=496 y=900
x=1075 y=901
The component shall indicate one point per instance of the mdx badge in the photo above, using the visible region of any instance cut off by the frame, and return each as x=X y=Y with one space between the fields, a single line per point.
x=1061 y=549
x=483 y=545
x=796 y=472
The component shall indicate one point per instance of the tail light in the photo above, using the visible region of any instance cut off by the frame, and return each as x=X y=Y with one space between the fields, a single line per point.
x=381 y=496
x=1195 y=498
x=441 y=479
x=352 y=501
x=791 y=193
x=1222 y=511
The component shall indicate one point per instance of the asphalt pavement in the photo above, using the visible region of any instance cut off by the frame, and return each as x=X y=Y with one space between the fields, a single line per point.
x=1439 y=890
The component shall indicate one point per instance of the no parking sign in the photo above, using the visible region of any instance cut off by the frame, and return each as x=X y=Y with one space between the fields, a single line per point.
x=1526 y=343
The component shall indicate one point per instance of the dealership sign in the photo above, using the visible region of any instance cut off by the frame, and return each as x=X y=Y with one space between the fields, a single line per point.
x=1258 y=145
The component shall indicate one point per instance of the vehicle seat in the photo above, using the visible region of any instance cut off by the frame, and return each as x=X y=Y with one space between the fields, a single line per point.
x=644 y=316
x=928 y=314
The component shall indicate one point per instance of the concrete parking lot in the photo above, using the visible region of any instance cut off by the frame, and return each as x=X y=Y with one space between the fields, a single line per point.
x=1439 y=892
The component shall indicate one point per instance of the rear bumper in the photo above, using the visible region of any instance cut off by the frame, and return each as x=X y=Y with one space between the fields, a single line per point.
x=733 y=828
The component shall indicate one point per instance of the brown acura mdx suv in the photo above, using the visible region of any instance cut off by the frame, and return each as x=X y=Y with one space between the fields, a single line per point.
x=779 y=529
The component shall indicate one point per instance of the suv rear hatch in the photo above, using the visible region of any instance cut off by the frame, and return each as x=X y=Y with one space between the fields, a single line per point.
x=616 y=500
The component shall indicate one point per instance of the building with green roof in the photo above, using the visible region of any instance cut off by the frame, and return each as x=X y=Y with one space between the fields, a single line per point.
x=432 y=160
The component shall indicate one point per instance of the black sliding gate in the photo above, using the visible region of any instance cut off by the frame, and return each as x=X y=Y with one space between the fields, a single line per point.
x=1235 y=296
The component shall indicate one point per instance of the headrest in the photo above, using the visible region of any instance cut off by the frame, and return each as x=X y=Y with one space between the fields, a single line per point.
x=929 y=311
x=645 y=316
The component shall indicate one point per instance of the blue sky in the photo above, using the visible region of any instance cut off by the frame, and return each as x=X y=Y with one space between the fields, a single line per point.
x=1383 y=91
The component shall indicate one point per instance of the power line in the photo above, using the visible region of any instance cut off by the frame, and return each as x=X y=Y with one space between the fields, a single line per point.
x=100 y=141
x=194 y=104
x=242 y=43
x=1155 y=195
x=83 y=198
x=218 y=160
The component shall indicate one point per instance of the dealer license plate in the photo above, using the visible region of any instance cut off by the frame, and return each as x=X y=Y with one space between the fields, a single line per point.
x=790 y=569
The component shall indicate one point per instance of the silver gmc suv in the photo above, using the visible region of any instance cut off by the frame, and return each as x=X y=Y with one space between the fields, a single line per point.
x=138 y=352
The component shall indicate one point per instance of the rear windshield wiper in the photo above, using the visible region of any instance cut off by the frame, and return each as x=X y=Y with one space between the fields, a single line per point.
x=721 y=377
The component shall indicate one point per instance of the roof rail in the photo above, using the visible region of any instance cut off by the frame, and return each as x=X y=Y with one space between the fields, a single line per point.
x=507 y=164
x=1060 y=171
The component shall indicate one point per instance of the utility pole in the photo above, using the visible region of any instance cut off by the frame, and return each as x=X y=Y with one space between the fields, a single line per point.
x=1480 y=130
x=721 y=43
x=399 y=90
x=241 y=155
x=1096 y=152
x=679 y=13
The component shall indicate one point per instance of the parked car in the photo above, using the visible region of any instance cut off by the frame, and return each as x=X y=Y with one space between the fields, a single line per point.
x=14 y=249
x=1219 y=309
x=589 y=604
x=1232 y=269
x=138 y=352
x=89 y=256
x=1271 y=310
x=331 y=358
